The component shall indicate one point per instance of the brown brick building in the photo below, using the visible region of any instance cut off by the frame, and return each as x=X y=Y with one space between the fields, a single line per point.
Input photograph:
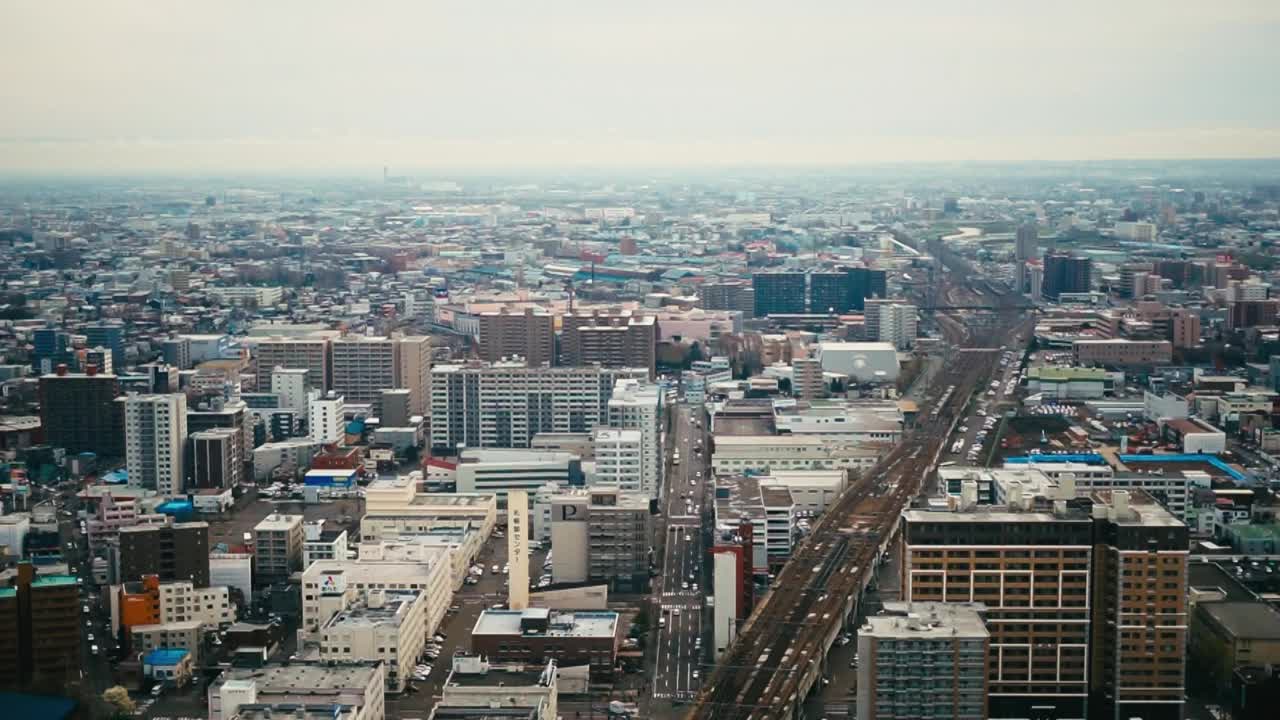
x=529 y=334
x=39 y=631
x=177 y=551
x=537 y=635
x=610 y=339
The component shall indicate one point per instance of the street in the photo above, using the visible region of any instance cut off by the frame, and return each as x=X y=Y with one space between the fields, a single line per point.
x=682 y=585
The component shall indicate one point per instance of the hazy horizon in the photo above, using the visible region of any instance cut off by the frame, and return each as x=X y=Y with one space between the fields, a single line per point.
x=137 y=87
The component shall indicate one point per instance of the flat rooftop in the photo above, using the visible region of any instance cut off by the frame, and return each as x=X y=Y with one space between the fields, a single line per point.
x=362 y=615
x=318 y=677
x=594 y=624
x=927 y=620
x=1249 y=620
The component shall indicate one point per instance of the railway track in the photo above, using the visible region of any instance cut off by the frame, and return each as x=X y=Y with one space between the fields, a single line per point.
x=760 y=675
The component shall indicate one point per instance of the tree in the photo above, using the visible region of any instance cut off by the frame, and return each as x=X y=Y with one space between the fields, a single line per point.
x=118 y=698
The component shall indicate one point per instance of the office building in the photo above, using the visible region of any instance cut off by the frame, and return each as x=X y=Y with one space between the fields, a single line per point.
x=919 y=660
x=331 y=586
x=310 y=352
x=50 y=347
x=497 y=470
x=528 y=334
x=866 y=283
x=172 y=551
x=768 y=507
x=1185 y=327
x=1122 y=353
x=619 y=459
x=731 y=295
x=506 y=404
x=277 y=546
x=1066 y=274
x=217 y=458
x=637 y=405
x=396 y=408
x=326 y=419
x=345 y=691
x=615 y=340
x=184 y=635
x=290 y=385
x=829 y=293
x=1027 y=242
x=537 y=636
x=1252 y=313
x=779 y=293
x=807 y=382
x=110 y=335
x=476 y=687
x=1086 y=598
x=319 y=543
x=39 y=631
x=156 y=441
x=1136 y=231
x=601 y=536
x=79 y=412
x=176 y=351
x=1227 y=634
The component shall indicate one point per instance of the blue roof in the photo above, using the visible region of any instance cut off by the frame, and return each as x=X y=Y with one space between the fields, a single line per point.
x=169 y=506
x=355 y=427
x=1096 y=459
x=116 y=476
x=164 y=656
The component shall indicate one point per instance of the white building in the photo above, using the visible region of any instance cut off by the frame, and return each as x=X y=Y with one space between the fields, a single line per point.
x=326 y=421
x=292 y=454
x=506 y=404
x=155 y=428
x=497 y=470
x=863 y=362
x=380 y=624
x=297 y=684
x=248 y=295
x=898 y=325
x=290 y=385
x=183 y=602
x=735 y=454
x=769 y=507
x=321 y=544
x=475 y=684
x=870 y=423
x=330 y=586
x=232 y=570
x=1136 y=231
x=619 y=459
x=637 y=405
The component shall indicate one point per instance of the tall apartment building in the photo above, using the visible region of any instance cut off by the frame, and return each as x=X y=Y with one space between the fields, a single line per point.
x=779 y=293
x=506 y=404
x=312 y=353
x=171 y=551
x=807 y=382
x=529 y=334
x=176 y=351
x=217 y=458
x=731 y=295
x=413 y=370
x=290 y=385
x=1086 y=599
x=326 y=421
x=1066 y=274
x=365 y=366
x=277 y=546
x=619 y=458
x=898 y=324
x=601 y=535
x=156 y=441
x=1185 y=327
x=637 y=405
x=610 y=339
x=79 y=412
x=1027 y=242
x=919 y=660
x=39 y=631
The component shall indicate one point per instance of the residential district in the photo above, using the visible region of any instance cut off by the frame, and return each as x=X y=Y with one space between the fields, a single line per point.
x=996 y=444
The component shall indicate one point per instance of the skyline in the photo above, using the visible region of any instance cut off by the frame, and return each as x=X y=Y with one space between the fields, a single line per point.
x=128 y=87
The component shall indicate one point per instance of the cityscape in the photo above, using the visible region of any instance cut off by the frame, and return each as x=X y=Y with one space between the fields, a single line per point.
x=301 y=420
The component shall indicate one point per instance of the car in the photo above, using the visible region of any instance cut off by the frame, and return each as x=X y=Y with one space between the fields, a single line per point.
x=494 y=569
x=693 y=587
x=497 y=606
x=675 y=611
x=440 y=637
x=155 y=691
x=688 y=538
x=696 y=674
x=684 y=586
x=662 y=622
x=85 y=609
x=455 y=608
x=93 y=649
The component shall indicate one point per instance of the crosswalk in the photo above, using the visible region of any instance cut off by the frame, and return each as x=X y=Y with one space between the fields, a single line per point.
x=836 y=710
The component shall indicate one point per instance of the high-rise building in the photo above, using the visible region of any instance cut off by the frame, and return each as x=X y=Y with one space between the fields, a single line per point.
x=156 y=441
x=610 y=339
x=413 y=370
x=1066 y=274
x=1252 y=313
x=529 y=334
x=807 y=382
x=326 y=418
x=1086 y=598
x=1185 y=326
x=898 y=324
x=1027 y=242
x=506 y=404
x=108 y=334
x=312 y=353
x=731 y=295
x=637 y=405
x=865 y=283
x=51 y=347
x=39 y=631
x=926 y=659
x=79 y=412
x=830 y=292
x=779 y=293
x=172 y=551
x=217 y=458
x=1136 y=231
x=618 y=455
x=363 y=367
x=290 y=385
x=1133 y=277
x=176 y=351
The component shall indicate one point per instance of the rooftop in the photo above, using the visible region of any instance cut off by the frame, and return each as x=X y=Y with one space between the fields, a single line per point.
x=1251 y=620
x=392 y=612
x=1062 y=374
x=165 y=656
x=278 y=522
x=316 y=677
x=931 y=620
x=558 y=624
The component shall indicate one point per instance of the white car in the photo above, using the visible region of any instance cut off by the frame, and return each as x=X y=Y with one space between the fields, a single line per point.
x=684 y=586
x=688 y=538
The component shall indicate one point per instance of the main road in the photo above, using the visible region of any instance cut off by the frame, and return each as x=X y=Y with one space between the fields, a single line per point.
x=680 y=587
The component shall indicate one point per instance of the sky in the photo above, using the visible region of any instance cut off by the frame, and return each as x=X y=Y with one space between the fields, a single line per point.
x=282 y=86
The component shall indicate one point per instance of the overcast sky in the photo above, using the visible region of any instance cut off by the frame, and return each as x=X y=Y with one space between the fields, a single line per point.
x=271 y=85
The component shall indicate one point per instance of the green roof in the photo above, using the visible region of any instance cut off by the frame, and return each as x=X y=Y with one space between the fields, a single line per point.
x=1062 y=374
x=49 y=580
x=8 y=592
